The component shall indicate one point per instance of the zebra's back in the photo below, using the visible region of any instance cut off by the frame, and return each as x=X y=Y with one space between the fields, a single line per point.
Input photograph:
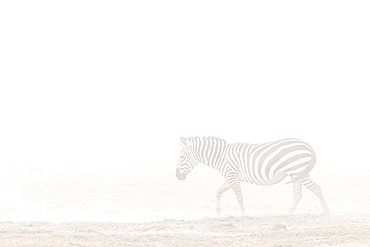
x=269 y=163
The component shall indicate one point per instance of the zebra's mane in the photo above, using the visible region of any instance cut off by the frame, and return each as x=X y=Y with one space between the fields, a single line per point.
x=206 y=138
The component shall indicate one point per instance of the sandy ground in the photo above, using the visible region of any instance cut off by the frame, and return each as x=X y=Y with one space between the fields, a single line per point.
x=262 y=230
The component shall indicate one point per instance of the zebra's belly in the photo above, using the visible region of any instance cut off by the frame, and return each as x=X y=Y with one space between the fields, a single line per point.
x=266 y=182
x=278 y=178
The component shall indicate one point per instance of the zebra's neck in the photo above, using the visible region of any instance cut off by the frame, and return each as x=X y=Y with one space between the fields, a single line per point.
x=210 y=151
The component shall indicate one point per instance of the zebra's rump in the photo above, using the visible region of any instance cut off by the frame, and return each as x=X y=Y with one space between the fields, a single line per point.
x=269 y=163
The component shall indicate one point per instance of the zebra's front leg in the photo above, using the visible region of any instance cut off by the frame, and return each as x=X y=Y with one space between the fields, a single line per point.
x=235 y=185
x=224 y=187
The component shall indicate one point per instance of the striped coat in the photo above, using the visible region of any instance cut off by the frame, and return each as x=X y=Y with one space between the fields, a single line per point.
x=259 y=164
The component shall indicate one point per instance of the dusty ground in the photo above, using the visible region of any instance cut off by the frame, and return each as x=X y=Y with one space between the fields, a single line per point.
x=263 y=230
x=90 y=199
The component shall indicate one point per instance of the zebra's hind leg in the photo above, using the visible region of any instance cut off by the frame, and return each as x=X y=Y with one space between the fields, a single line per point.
x=316 y=189
x=224 y=187
x=297 y=196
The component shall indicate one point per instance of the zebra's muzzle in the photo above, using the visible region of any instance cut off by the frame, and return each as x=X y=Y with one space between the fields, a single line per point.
x=179 y=175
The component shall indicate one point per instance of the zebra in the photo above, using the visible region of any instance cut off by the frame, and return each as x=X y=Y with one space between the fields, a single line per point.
x=260 y=164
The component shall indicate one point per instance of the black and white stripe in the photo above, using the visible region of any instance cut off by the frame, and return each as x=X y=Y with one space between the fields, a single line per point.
x=259 y=164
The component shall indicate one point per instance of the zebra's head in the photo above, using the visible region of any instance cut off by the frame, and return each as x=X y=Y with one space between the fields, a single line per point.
x=187 y=159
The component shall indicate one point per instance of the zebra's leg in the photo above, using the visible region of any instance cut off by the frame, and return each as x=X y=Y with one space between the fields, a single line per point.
x=316 y=189
x=224 y=187
x=235 y=185
x=297 y=196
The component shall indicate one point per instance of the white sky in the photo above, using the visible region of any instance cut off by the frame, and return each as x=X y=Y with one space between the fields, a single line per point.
x=102 y=82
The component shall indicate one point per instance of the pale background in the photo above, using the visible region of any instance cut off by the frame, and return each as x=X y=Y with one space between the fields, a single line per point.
x=98 y=93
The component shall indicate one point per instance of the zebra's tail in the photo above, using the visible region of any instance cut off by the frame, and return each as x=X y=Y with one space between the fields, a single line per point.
x=309 y=167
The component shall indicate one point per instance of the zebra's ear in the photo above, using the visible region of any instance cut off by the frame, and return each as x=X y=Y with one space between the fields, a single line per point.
x=183 y=141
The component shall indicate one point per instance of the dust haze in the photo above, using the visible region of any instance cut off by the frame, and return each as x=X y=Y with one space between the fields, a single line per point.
x=94 y=98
